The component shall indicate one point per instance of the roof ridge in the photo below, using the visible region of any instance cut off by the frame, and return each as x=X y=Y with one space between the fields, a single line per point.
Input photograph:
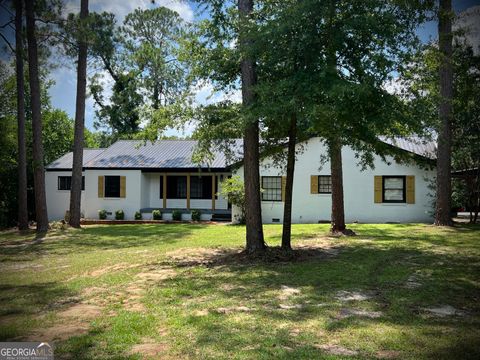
x=155 y=141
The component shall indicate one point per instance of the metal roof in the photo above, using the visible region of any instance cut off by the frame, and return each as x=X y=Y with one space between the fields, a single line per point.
x=413 y=144
x=177 y=154
x=128 y=154
x=66 y=161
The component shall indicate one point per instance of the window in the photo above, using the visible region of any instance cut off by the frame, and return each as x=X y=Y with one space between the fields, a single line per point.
x=65 y=183
x=394 y=189
x=324 y=184
x=176 y=187
x=200 y=187
x=112 y=186
x=272 y=188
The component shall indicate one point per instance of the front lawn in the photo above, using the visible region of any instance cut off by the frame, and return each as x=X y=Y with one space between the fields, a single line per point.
x=182 y=291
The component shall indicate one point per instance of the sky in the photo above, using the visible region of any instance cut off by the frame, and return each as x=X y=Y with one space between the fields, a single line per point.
x=63 y=91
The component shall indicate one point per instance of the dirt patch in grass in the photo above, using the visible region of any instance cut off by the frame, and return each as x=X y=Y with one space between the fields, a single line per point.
x=413 y=282
x=353 y=296
x=202 y=312
x=287 y=292
x=149 y=349
x=346 y=313
x=444 y=310
x=215 y=257
x=290 y=307
x=336 y=350
x=59 y=332
x=112 y=268
x=81 y=311
x=228 y=310
x=73 y=321
x=93 y=291
x=156 y=274
x=388 y=354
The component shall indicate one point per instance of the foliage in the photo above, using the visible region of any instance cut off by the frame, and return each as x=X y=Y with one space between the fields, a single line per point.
x=141 y=57
x=138 y=215
x=176 y=215
x=8 y=146
x=57 y=135
x=102 y=214
x=233 y=189
x=292 y=42
x=196 y=215
x=217 y=128
x=157 y=214
x=119 y=215
x=421 y=83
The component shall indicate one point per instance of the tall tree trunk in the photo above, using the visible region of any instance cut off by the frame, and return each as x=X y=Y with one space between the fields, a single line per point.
x=338 y=211
x=287 y=206
x=334 y=143
x=38 y=169
x=444 y=182
x=22 y=152
x=76 y=185
x=251 y=151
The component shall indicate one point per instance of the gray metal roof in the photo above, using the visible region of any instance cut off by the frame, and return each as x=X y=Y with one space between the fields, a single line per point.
x=128 y=154
x=177 y=154
x=65 y=162
x=414 y=144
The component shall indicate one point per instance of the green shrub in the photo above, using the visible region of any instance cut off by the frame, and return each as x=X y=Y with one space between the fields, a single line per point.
x=138 y=215
x=119 y=215
x=196 y=215
x=233 y=189
x=102 y=214
x=176 y=215
x=157 y=215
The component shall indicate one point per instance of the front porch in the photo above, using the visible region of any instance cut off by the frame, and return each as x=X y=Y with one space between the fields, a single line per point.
x=184 y=192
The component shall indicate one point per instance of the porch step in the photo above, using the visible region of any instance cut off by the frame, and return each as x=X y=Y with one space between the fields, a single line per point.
x=221 y=217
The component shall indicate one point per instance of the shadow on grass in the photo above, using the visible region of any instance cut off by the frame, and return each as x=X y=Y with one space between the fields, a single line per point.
x=29 y=303
x=379 y=273
x=101 y=238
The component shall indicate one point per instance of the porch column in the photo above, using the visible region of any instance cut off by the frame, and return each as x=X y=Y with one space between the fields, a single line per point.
x=188 y=191
x=164 y=196
x=214 y=177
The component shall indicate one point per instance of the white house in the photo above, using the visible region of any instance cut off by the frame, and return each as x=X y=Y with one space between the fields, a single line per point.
x=133 y=176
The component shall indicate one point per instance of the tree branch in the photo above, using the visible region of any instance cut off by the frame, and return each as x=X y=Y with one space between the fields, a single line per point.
x=6 y=24
x=8 y=43
x=7 y=10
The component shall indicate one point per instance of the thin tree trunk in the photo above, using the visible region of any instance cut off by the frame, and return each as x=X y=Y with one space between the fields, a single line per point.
x=287 y=207
x=253 y=210
x=22 y=152
x=76 y=185
x=444 y=185
x=338 y=211
x=38 y=169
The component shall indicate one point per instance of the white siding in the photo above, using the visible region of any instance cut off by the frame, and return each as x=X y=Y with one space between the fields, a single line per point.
x=58 y=201
x=142 y=191
x=130 y=204
x=358 y=190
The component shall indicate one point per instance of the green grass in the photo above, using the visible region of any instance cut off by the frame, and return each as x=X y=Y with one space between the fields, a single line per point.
x=237 y=309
